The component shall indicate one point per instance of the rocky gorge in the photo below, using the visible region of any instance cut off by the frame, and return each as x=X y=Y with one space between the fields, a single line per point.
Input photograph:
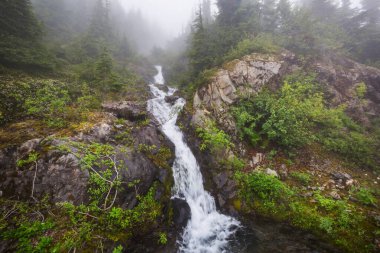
x=312 y=171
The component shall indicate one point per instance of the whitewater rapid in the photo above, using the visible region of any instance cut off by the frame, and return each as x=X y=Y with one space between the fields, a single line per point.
x=208 y=231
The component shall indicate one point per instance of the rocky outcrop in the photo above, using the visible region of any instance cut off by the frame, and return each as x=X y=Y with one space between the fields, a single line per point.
x=237 y=79
x=340 y=76
x=171 y=99
x=182 y=213
x=127 y=110
x=247 y=76
x=59 y=173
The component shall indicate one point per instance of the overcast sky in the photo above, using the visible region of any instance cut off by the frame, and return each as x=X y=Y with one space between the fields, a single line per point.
x=171 y=15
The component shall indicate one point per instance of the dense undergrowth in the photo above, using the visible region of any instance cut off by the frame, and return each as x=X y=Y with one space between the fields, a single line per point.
x=281 y=124
x=297 y=115
x=340 y=221
x=42 y=226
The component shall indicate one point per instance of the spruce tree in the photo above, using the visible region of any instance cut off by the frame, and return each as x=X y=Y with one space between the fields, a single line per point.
x=268 y=15
x=227 y=11
x=20 y=36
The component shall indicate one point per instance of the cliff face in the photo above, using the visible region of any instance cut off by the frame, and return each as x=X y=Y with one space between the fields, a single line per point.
x=338 y=75
x=58 y=171
x=312 y=169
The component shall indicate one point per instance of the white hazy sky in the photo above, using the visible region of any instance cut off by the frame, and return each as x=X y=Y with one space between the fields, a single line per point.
x=172 y=15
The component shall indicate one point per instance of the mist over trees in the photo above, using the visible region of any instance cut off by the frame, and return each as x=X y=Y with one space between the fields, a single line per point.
x=311 y=27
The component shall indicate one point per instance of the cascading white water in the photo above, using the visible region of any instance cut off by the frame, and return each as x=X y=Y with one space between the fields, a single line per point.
x=207 y=231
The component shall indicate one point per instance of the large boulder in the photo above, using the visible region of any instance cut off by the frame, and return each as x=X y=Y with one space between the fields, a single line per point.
x=59 y=174
x=238 y=78
x=171 y=99
x=182 y=212
x=132 y=111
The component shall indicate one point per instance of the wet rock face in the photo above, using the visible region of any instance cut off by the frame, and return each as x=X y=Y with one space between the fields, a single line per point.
x=246 y=77
x=341 y=76
x=240 y=77
x=61 y=176
x=132 y=111
x=171 y=99
x=182 y=213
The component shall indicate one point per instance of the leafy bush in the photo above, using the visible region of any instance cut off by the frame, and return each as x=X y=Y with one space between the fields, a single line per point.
x=30 y=236
x=336 y=220
x=364 y=195
x=303 y=178
x=263 y=187
x=361 y=90
x=263 y=43
x=213 y=138
x=50 y=103
x=296 y=115
x=163 y=240
x=286 y=117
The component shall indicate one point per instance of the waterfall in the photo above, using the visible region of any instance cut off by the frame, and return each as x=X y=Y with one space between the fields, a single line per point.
x=208 y=231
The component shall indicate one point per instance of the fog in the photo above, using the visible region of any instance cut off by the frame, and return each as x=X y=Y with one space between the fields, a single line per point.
x=173 y=16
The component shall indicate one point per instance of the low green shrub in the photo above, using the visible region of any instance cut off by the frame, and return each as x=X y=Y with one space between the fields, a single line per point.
x=335 y=220
x=296 y=115
x=264 y=191
x=303 y=178
x=49 y=103
x=263 y=43
x=213 y=138
x=364 y=195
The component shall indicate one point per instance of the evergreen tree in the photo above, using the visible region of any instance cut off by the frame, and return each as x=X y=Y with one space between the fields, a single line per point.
x=199 y=54
x=284 y=13
x=206 y=12
x=100 y=26
x=268 y=15
x=17 y=19
x=20 y=35
x=322 y=9
x=368 y=35
x=227 y=11
x=371 y=11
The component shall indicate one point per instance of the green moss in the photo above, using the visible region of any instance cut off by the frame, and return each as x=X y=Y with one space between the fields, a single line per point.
x=213 y=138
x=159 y=156
x=303 y=178
x=66 y=226
x=336 y=221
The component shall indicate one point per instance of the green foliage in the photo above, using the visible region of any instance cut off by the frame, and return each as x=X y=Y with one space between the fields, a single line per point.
x=285 y=117
x=335 y=220
x=20 y=37
x=213 y=138
x=361 y=90
x=66 y=226
x=101 y=162
x=263 y=187
x=163 y=240
x=50 y=104
x=263 y=43
x=296 y=116
x=159 y=156
x=303 y=178
x=32 y=157
x=118 y=249
x=234 y=163
x=29 y=232
x=364 y=195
